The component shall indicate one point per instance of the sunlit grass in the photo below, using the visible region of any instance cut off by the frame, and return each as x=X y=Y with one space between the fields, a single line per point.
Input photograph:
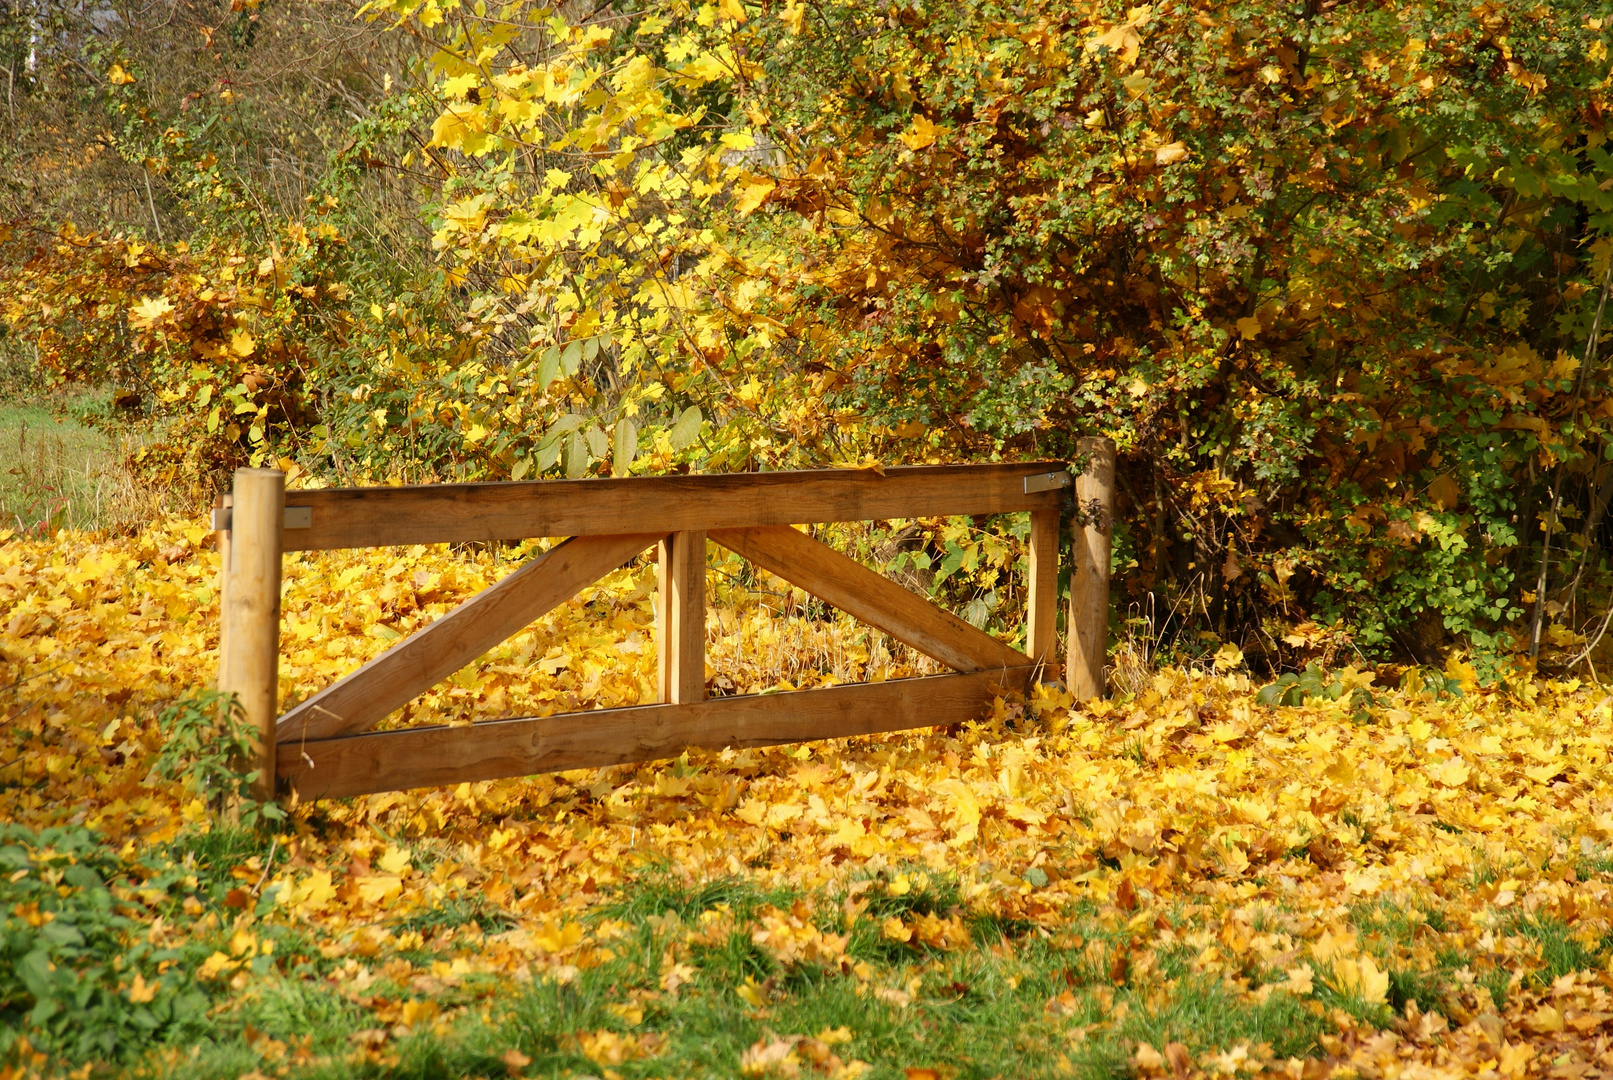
x=61 y=472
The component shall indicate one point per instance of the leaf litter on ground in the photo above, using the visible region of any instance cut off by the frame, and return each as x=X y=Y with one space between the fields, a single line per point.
x=1182 y=882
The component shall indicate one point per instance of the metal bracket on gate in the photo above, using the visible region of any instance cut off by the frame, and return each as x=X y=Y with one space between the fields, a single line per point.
x=1047 y=481
x=296 y=517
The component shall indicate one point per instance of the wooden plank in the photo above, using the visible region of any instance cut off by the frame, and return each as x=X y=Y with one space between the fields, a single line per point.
x=430 y=756
x=453 y=513
x=1041 y=617
x=252 y=668
x=680 y=618
x=412 y=666
x=1089 y=574
x=873 y=598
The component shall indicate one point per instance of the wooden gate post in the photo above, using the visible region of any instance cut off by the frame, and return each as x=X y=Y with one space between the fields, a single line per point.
x=1092 y=530
x=251 y=668
x=681 y=618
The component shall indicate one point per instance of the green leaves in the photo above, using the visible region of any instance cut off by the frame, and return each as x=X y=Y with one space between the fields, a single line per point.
x=79 y=976
x=625 y=446
x=687 y=429
x=205 y=741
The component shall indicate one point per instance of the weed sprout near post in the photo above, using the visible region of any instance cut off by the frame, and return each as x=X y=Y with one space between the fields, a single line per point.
x=209 y=744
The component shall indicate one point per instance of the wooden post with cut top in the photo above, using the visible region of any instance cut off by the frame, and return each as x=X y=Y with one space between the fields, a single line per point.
x=681 y=617
x=1092 y=530
x=251 y=668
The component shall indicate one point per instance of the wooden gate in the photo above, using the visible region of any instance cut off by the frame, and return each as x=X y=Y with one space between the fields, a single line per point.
x=323 y=746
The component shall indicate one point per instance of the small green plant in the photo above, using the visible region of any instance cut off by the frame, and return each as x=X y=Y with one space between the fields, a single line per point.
x=79 y=976
x=207 y=744
x=1314 y=682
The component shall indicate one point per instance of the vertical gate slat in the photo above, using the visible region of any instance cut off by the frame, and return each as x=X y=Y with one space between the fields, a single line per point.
x=681 y=618
x=1041 y=616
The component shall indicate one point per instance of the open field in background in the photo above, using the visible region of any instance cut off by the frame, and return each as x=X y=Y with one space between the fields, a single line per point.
x=61 y=472
x=1177 y=882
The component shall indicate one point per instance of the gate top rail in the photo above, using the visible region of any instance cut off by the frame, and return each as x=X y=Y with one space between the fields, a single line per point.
x=456 y=513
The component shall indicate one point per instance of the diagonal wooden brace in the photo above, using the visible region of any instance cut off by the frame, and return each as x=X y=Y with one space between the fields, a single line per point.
x=871 y=597
x=358 y=701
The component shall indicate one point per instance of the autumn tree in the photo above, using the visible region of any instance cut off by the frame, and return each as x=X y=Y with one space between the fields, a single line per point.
x=1327 y=271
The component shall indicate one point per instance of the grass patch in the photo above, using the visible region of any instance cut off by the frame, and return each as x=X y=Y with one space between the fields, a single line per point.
x=452 y=913
x=215 y=856
x=64 y=470
x=1016 y=1005
x=1205 y=1017
x=1561 y=951
x=660 y=892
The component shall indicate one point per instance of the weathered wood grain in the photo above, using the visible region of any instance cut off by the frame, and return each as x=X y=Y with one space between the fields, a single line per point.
x=680 y=617
x=1041 y=616
x=1089 y=575
x=454 y=513
x=430 y=756
x=251 y=670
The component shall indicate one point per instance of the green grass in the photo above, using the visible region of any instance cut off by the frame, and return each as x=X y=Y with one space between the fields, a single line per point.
x=980 y=1012
x=981 y=1015
x=62 y=469
x=1387 y=928
x=1560 y=949
x=1015 y=1001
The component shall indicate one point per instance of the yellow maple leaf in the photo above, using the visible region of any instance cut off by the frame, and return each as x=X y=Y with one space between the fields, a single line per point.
x=793 y=16
x=141 y=991
x=375 y=889
x=1299 y=980
x=214 y=966
x=394 y=861
x=921 y=134
x=148 y=312
x=752 y=195
x=1361 y=978
x=1452 y=773
x=1464 y=673
x=1171 y=153
x=965 y=809
x=117 y=76
x=1123 y=39
x=1515 y=1058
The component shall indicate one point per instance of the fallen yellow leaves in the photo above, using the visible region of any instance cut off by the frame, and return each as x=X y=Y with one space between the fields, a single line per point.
x=1290 y=851
x=788 y=1056
x=792 y=938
